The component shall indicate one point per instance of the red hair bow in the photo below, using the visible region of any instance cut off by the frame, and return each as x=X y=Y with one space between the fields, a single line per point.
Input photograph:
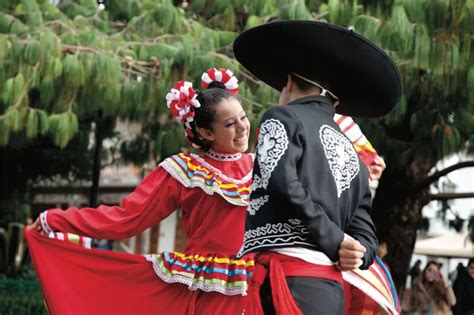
x=224 y=76
x=181 y=100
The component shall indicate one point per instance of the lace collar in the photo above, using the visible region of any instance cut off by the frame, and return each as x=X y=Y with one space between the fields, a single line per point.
x=218 y=156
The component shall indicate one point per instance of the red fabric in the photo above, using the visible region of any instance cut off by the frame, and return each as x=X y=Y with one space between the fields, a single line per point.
x=158 y=195
x=295 y=267
x=279 y=266
x=357 y=302
x=363 y=304
x=77 y=280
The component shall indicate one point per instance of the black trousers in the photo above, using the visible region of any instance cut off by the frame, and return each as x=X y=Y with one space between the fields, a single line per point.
x=314 y=296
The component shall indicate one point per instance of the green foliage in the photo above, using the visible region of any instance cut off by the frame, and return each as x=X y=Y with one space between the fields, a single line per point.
x=341 y=12
x=21 y=296
x=62 y=128
x=295 y=10
x=431 y=41
x=367 y=26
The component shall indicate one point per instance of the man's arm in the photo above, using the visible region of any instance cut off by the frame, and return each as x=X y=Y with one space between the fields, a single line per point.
x=363 y=230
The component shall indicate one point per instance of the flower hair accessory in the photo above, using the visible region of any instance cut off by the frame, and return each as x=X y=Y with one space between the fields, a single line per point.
x=224 y=76
x=181 y=100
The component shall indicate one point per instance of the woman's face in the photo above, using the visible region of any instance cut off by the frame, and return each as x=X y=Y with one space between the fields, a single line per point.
x=432 y=273
x=230 y=129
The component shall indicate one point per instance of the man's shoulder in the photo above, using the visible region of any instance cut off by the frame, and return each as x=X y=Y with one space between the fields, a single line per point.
x=284 y=113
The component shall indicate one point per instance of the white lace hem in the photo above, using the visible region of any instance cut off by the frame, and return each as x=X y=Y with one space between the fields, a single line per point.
x=191 y=284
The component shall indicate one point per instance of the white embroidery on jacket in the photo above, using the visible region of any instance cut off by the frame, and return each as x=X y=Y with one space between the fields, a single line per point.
x=283 y=233
x=272 y=144
x=341 y=157
x=255 y=204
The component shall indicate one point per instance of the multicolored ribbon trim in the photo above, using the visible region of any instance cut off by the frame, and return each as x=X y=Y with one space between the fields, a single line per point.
x=208 y=273
x=363 y=147
x=190 y=172
x=377 y=283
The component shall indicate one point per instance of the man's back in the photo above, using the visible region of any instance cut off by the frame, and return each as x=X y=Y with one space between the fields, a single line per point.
x=309 y=185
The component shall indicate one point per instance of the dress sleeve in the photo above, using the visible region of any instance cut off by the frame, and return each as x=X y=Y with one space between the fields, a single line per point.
x=156 y=197
x=362 y=229
x=285 y=182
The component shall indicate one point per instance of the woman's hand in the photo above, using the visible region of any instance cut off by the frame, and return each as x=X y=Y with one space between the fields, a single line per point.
x=35 y=225
x=376 y=168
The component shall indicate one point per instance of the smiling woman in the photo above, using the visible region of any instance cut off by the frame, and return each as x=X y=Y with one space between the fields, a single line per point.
x=211 y=189
x=230 y=130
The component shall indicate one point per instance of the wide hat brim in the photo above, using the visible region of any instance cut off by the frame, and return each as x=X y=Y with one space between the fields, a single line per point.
x=363 y=77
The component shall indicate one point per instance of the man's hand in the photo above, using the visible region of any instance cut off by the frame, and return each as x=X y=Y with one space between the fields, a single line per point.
x=351 y=253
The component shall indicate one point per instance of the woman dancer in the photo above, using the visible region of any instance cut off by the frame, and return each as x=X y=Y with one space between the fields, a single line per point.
x=212 y=191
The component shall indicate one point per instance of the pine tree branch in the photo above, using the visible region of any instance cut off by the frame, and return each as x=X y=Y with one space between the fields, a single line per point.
x=72 y=48
x=232 y=61
x=139 y=67
x=448 y=196
x=151 y=42
x=62 y=24
x=437 y=175
x=252 y=102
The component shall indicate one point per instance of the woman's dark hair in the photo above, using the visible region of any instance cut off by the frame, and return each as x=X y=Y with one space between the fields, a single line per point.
x=436 y=289
x=430 y=263
x=204 y=115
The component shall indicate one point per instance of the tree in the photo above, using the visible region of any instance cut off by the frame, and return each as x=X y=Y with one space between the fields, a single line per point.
x=432 y=43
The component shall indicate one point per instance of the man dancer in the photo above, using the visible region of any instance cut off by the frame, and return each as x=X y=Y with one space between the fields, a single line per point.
x=310 y=204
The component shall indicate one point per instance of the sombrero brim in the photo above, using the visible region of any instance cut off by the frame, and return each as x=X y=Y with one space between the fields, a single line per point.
x=362 y=75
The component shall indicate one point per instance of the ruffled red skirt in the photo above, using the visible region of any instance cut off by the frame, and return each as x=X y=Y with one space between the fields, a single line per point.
x=79 y=280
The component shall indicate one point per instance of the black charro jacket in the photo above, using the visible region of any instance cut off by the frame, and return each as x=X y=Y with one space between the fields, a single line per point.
x=309 y=185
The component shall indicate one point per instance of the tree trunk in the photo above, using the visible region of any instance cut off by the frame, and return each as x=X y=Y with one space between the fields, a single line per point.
x=397 y=215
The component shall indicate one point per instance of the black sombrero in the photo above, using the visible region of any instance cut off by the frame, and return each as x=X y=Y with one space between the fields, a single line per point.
x=359 y=73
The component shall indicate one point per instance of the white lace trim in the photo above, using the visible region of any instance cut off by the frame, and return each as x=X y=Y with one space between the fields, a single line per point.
x=191 y=284
x=341 y=156
x=255 y=204
x=210 y=190
x=244 y=179
x=44 y=223
x=225 y=157
x=272 y=144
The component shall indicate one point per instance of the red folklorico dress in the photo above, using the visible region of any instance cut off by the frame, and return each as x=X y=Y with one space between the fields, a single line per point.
x=212 y=191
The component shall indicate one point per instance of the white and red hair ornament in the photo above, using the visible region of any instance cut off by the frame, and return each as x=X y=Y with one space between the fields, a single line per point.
x=181 y=100
x=224 y=76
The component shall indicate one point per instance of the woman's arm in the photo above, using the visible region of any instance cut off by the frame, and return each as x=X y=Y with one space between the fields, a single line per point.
x=154 y=199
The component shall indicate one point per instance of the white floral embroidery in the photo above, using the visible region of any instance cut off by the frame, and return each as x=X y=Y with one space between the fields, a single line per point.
x=256 y=203
x=341 y=157
x=272 y=144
